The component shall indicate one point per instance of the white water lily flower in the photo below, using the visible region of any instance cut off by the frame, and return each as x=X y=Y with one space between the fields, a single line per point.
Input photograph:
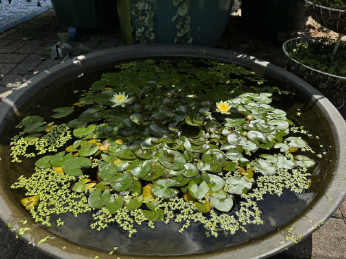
x=223 y=107
x=120 y=99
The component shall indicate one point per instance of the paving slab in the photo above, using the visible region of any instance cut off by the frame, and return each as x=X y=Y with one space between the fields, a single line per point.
x=5 y=69
x=3 y=43
x=13 y=47
x=343 y=209
x=12 y=58
x=9 y=244
x=330 y=240
x=28 y=66
x=31 y=47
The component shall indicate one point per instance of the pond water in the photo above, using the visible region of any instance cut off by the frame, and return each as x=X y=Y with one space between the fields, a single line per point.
x=165 y=239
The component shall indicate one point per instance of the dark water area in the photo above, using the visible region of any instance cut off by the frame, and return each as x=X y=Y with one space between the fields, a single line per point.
x=165 y=240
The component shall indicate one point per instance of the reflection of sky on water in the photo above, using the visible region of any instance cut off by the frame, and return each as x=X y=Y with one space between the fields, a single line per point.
x=20 y=11
x=166 y=240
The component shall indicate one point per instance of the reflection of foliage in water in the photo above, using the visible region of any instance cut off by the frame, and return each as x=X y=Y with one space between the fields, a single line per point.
x=170 y=152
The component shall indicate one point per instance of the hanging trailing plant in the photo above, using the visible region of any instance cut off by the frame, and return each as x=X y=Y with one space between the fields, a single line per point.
x=183 y=22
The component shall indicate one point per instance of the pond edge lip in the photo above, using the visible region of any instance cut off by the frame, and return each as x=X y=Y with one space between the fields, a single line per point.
x=263 y=249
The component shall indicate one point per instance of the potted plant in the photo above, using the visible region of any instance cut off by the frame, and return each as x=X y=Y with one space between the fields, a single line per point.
x=270 y=17
x=177 y=128
x=180 y=21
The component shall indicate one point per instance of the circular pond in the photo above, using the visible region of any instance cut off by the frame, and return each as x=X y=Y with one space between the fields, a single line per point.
x=285 y=211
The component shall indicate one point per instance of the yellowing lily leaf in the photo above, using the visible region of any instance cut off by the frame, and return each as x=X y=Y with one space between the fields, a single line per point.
x=83 y=185
x=30 y=202
x=71 y=149
x=104 y=146
x=119 y=141
x=147 y=192
x=204 y=208
x=58 y=170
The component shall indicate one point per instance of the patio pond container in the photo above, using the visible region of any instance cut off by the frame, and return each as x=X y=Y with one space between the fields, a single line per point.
x=297 y=220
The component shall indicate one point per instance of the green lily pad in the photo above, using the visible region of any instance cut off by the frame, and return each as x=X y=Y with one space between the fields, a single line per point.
x=110 y=173
x=88 y=150
x=265 y=167
x=73 y=165
x=91 y=114
x=114 y=205
x=62 y=112
x=82 y=131
x=76 y=123
x=161 y=188
x=123 y=184
x=143 y=170
x=240 y=184
x=59 y=159
x=158 y=130
x=44 y=162
x=191 y=170
x=144 y=153
x=256 y=136
x=96 y=200
x=218 y=182
x=223 y=205
x=173 y=160
x=156 y=215
x=234 y=122
x=198 y=192
x=283 y=162
x=136 y=188
x=304 y=161
x=83 y=185
x=296 y=142
x=283 y=147
x=33 y=137
x=155 y=173
x=204 y=208
x=134 y=203
x=137 y=118
x=125 y=154
x=279 y=124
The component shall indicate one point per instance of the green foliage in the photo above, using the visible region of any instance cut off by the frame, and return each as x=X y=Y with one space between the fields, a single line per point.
x=337 y=4
x=169 y=139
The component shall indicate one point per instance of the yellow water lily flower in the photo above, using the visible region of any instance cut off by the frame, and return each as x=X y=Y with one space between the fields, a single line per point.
x=223 y=107
x=120 y=99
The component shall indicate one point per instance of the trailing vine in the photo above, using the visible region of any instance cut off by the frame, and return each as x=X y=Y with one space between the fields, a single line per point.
x=144 y=13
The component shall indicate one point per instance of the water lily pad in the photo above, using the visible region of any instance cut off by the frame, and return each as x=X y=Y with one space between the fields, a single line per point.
x=110 y=173
x=144 y=153
x=114 y=205
x=44 y=162
x=76 y=123
x=136 y=188
x=191 y=170
x=97 y=200
x=88 y=150
x=73 y=165
x=265 y=167
x=218 y=182
x=200 y=191
x=161 y=188
x=125 y=154
x=124 y=184
x=30 y=202
x=223 y=205
x=173 y=160
x=233 y=138
x=103 y=185
x=256 y=136
x=137 y=118
x=143 y=170
x=134 y=203
x=82 y=131
x=33 y=137
x=234 y=122
x=153 y=215
x=203 y=207
x=279 y=124
x=62 y=112
x=283 y=162
x=283 y=147
x=83 y=185
x=296 y=142
x=155 y=173
x=91 y=114
x=59 y=159
x=304 y=161
x=158 y=130
x=240 y=185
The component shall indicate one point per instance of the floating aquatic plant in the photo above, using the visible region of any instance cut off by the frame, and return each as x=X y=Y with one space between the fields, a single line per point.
x=174 y=152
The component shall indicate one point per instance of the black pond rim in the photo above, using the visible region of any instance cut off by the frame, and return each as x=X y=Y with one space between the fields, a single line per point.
x=313 y=217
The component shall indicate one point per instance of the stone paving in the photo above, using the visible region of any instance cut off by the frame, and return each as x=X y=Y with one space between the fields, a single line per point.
x=20 y=59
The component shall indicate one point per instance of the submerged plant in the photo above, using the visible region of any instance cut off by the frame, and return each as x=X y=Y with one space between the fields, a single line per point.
x=174 y=152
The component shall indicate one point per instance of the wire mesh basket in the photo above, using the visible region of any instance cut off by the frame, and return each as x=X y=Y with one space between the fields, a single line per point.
x=332 y=86
x=332 y=19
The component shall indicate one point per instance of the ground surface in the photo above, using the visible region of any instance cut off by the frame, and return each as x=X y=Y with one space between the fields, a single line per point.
x=20 y=49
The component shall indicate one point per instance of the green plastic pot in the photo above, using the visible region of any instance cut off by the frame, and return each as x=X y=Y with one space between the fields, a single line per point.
x=271 y=16
x=208 y=21
x=87 y=14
